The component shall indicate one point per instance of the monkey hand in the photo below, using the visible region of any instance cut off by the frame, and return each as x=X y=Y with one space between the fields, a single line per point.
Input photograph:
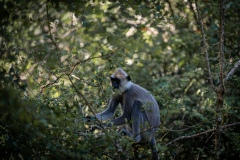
x=95 y=127
x=137 y=138
x=110 y=124
x=89 y=118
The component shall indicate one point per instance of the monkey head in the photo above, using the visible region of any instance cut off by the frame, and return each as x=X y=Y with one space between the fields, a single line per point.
x=120 y=80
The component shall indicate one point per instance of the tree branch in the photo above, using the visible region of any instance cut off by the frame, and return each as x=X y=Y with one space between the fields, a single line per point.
x=221 y=44
x=220 y=88
x=204 y=46
x=49 y=83
x=170 y=7
x=85 y=100
x=202 y=133
x=194 y=14
x=232 y=72
x=51 y=35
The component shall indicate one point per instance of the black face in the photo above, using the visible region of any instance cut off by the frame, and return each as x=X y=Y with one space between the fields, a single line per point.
x=115 y=82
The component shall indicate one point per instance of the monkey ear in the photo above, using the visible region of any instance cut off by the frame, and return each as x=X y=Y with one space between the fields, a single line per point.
x=128 y=78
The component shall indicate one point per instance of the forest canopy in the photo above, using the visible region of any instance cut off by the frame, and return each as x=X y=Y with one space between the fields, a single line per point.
x=56 y=58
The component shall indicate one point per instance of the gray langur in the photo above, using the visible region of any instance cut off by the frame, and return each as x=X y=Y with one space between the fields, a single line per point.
x=140 y=110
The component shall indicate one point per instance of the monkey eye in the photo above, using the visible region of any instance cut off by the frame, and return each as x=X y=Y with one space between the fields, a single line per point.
x=118 y=81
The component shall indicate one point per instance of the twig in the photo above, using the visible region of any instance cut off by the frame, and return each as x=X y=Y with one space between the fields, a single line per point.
x=85 y=100
x=95 y=57
x=230 y=125
x=221 y=44
x=220 y=88
x=205 y=47
x=51 y=36
x=50 y=83
x=202 y=133
x=191 y=136
x=179 y=130
x=194 y=13
x=145 y=130
x=231 y=73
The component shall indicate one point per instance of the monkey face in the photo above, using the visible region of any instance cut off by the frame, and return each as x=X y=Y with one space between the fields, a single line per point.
x=115 y=82
x=120 y=80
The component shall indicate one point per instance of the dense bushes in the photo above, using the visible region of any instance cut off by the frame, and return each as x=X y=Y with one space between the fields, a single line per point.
x=56 y=57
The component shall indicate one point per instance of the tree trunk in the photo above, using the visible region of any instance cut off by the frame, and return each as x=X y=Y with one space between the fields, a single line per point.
x=220 y=89
x=218 y=132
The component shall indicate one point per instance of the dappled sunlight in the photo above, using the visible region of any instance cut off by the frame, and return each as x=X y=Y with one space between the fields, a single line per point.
x=57 y=56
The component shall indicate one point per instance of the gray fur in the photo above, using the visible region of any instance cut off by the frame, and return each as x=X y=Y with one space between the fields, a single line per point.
x=139 y=107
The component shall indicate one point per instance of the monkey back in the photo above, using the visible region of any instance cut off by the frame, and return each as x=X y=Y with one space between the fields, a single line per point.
x=150 y=105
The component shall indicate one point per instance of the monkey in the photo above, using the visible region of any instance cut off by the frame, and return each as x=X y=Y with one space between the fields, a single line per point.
x=140 y=110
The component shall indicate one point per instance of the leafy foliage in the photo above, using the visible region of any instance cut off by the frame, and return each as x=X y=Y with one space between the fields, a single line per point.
x=56 y=57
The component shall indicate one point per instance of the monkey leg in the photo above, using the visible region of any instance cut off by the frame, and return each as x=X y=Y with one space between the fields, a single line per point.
x=137 y=119
x=125 y=132
x=154 y=149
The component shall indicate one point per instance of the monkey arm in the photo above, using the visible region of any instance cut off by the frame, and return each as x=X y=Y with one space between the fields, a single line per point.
x=110 y=111
x=123 y=119
x=120 y=120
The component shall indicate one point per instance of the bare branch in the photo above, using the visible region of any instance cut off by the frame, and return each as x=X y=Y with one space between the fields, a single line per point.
x=230 y=125
x=205 y=47
x=145 y=130
x=85 y=100
x=231 y=73
x=221 y=44
x=191 y=136
x=50 y=83
x=220 y=89
x=202 y=133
